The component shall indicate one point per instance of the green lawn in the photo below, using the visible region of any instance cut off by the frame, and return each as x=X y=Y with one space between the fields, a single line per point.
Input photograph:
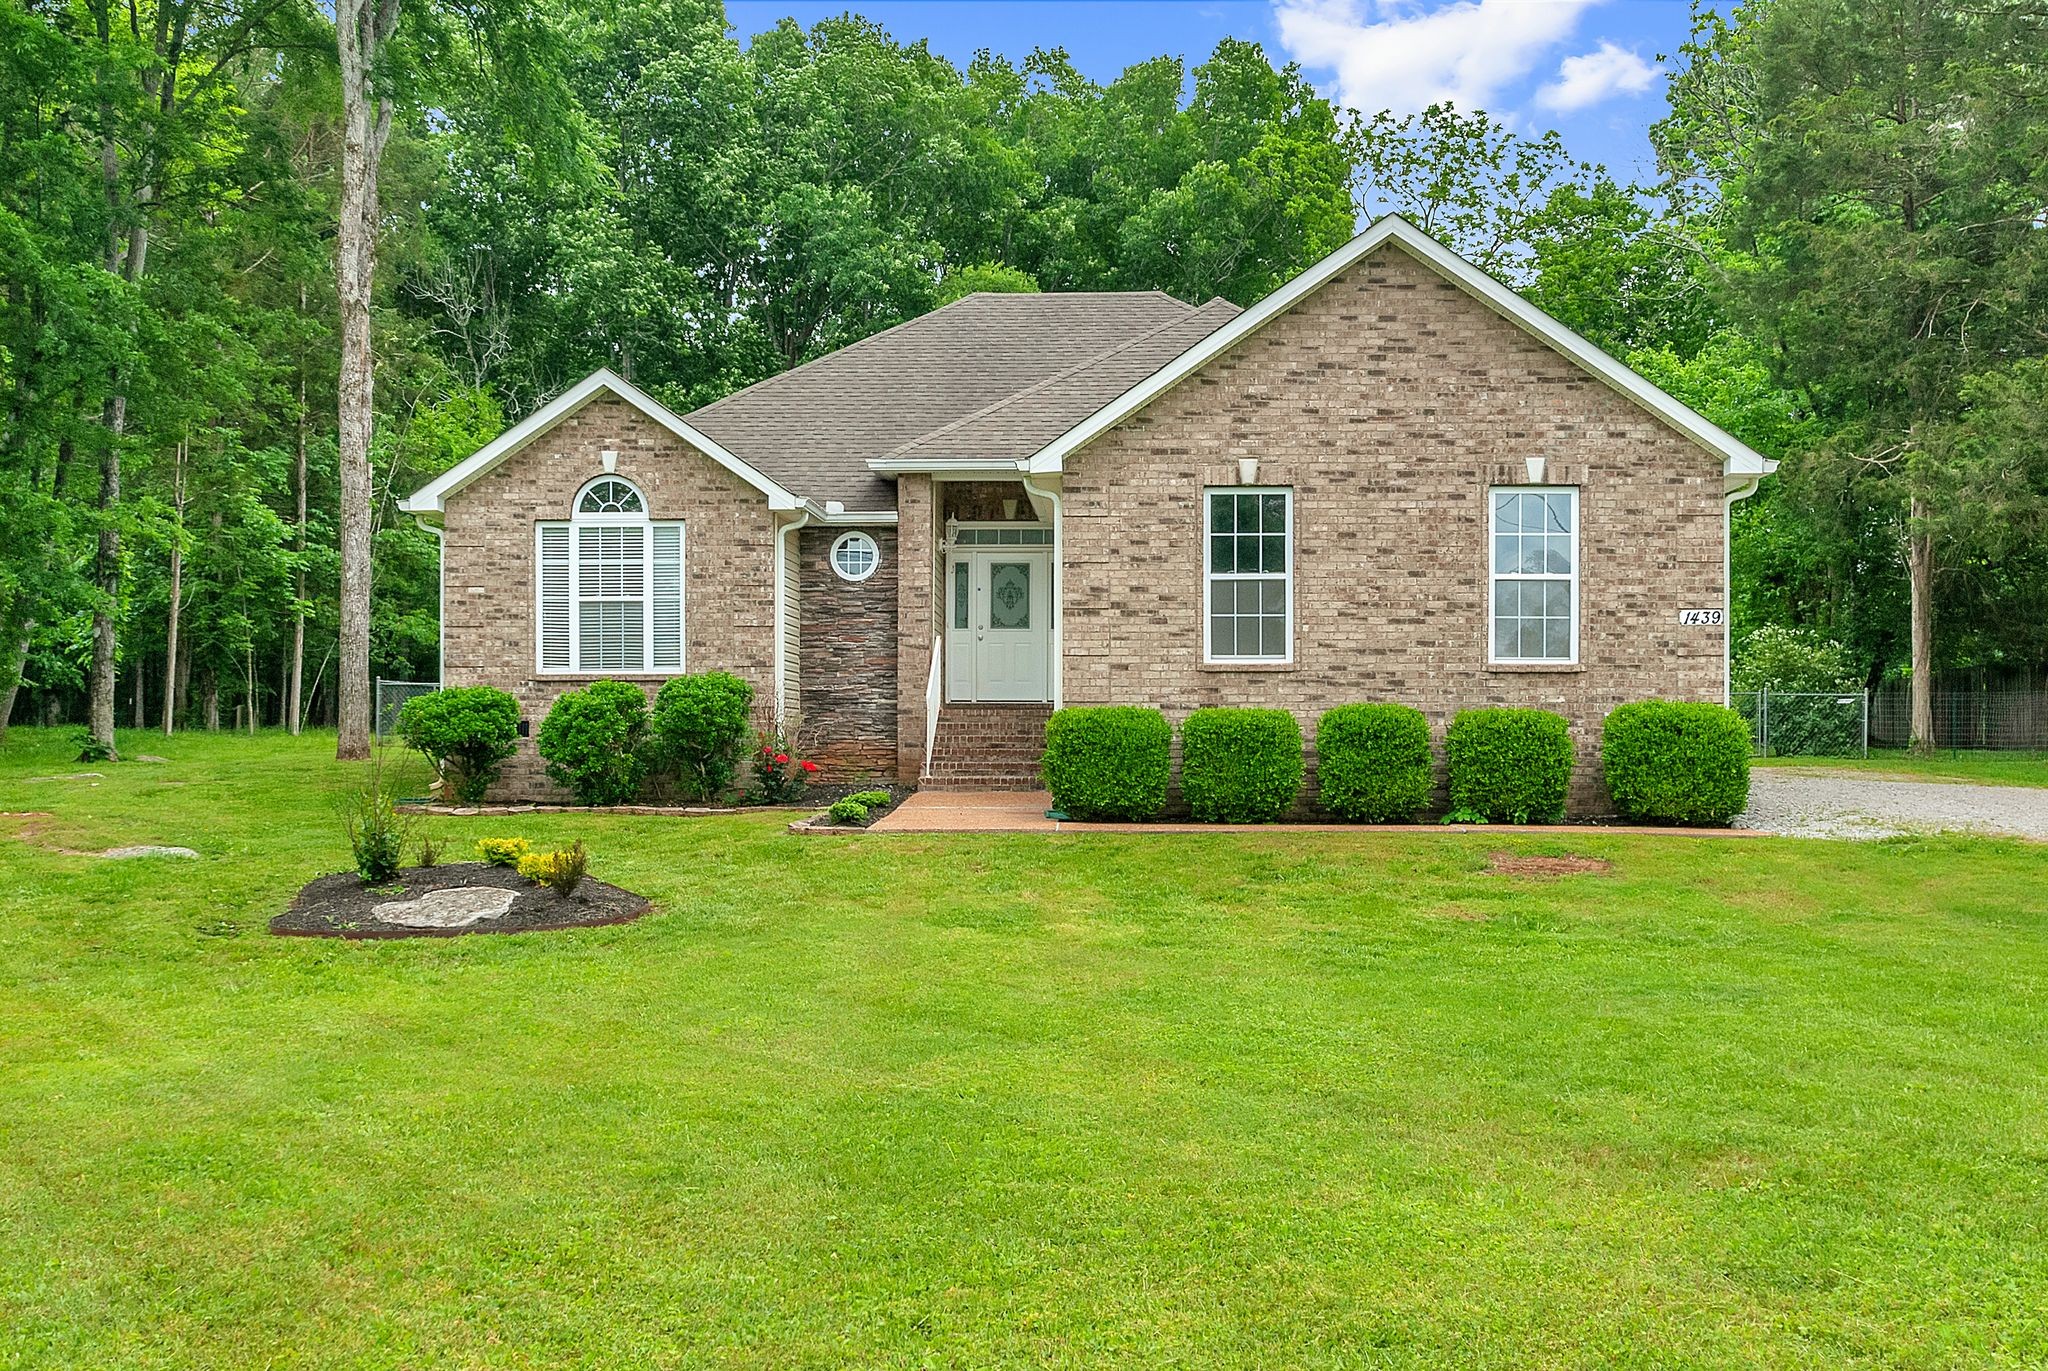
x=1985 y=768
x=1212 y=1101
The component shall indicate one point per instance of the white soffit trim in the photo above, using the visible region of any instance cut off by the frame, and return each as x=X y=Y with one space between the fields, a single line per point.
x=1740 y=462
x=432 y=498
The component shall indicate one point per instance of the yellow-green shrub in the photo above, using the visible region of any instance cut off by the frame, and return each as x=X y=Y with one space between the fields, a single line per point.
x=503 y=851
x=559 y=870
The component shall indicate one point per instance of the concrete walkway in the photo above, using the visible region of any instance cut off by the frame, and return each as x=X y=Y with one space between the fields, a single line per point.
x=1002 y=811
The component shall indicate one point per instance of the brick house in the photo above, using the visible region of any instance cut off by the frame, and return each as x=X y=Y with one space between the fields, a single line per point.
x=1391 y=479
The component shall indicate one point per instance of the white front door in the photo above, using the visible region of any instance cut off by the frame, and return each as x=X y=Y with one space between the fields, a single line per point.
x=999 y=636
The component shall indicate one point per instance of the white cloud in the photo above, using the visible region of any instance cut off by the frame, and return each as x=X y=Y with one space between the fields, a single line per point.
x=1591 y=77
x=1404 y=54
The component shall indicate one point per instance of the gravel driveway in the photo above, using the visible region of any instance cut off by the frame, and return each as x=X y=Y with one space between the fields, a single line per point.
x=1815 y=802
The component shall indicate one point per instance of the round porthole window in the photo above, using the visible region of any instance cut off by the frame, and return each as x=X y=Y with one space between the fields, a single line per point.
x=855 y=556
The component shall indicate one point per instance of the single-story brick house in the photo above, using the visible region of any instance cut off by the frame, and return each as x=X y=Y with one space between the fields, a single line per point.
x=1391 y=479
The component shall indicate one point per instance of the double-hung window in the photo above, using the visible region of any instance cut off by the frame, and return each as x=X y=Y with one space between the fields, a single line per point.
x=1535 y=607
x=609 y=585
x=1248 y=584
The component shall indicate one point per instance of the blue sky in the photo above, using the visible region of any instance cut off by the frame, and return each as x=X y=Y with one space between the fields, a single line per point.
x=1588 y=68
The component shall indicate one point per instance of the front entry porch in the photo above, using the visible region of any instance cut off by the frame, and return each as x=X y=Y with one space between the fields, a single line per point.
x=999 y=612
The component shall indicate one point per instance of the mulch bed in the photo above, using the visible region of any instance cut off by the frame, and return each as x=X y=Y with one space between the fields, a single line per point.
x=341 y=906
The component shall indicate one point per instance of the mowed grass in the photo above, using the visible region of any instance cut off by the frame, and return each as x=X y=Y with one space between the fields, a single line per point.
x=1984 y=768
x=1212 y=1101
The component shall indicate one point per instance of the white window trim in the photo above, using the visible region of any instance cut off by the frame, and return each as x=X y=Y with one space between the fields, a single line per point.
x=1209 y=578
x=647 y=526
x=1493 y=577
x=874 y=547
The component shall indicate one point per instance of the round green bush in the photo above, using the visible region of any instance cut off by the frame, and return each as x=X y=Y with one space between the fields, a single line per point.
x=1372 y=762
x=1509 y=765
x=466 y=731
x=1673 y=762
x=1240 y=766
x=1108 y=761
x=592 y=742
x=700 y=723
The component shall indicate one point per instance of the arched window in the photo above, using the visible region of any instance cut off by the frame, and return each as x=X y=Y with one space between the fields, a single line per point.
x=609 y=585
x=855 y=556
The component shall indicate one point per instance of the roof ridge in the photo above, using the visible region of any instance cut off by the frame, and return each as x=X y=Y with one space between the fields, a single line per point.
x=1193 y=311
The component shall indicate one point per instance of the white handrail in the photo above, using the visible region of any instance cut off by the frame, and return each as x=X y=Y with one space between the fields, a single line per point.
x=931 y=707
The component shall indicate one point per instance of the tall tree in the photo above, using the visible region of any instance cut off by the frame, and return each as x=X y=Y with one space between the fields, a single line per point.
x=1878 y=170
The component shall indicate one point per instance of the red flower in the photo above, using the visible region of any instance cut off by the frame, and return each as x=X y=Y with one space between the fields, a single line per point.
x=808 y=766
x=782 y=759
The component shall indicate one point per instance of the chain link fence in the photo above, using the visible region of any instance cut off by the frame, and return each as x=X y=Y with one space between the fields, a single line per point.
x=1996 y=716
x=1786 y=723
x=391 y=697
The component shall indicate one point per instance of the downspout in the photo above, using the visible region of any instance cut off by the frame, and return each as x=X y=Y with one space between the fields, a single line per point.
x=782 y=615
x=1728 y=587
x=440 y=598
x=1059 y=587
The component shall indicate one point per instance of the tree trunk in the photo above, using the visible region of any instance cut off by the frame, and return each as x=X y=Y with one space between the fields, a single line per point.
x=363 y=26
x=19 y=663
x=1920 y=576
x=249 y=687
x=290 y=707
x=212 y=702
x=136 y=675
x=172 y=682
x=99 y=716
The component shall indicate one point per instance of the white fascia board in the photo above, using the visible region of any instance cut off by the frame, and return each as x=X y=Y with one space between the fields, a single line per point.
x=1738 y=459
x=921 y=466
x=431 y=499
x=863 y=518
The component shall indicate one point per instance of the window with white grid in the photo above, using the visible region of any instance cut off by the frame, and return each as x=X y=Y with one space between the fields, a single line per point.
x=1534 y=615
x=1248 y=585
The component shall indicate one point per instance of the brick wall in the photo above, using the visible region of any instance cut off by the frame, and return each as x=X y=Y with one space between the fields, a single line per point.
x=917 y=616
x=1389 y=401
x=488 y=563
x=849 y=649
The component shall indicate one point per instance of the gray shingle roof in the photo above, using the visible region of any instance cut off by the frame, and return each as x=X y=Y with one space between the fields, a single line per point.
x=998 y=369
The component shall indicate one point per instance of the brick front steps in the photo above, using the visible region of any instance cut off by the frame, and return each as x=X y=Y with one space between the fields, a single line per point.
x=988 y=747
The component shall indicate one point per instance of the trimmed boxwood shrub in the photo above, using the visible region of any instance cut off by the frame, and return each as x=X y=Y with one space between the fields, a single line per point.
x=1509 y=765
x=592 y=741
x=1372 y=762
x=700 y=723
x=1240 y=766
x=1108 y=761
x=1673 y=762
x=467 y=732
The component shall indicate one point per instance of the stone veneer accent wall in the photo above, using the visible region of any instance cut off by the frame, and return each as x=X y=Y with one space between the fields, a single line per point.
x=1390 y=401
x=488 y=564
x=849 y=651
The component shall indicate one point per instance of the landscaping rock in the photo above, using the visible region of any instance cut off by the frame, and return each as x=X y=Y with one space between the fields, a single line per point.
x=147 y=850
x=457 y=908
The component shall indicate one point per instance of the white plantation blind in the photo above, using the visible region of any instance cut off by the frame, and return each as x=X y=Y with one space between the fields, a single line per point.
x=556 y=606
x=610 y=596
x=666 y=613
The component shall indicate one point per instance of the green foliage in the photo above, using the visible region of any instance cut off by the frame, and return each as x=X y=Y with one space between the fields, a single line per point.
x=502 y=851
x=1108 y=761
x=699 y=725
x=375 y=830
x=850 y=810
x=592 y=742
x=1373 y=762
x=1792 y=659
x=1668 y=761
x=1240 y=766
x=91 y=749
x=984 y=277
x=466 y=731
x=430 y=851
x=873 y=799
x=560 y=870
x=1509 y=765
